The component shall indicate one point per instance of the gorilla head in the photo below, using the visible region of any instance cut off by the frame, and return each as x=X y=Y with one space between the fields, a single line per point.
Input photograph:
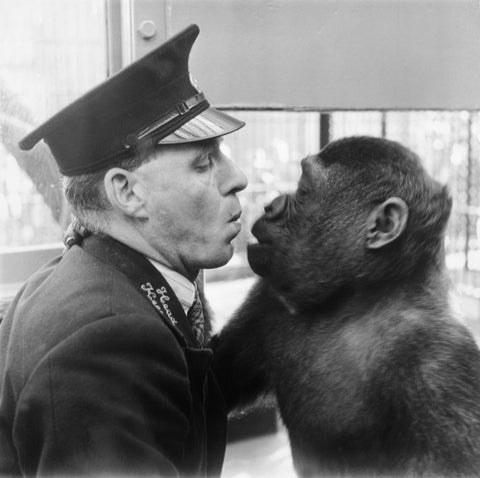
x=365 y=213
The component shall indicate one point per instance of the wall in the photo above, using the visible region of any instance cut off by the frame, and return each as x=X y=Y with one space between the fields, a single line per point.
x=329 y=54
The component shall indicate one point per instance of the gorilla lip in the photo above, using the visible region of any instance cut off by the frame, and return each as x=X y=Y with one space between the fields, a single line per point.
x=261 y=239
x=259 y=257
x=260 y=244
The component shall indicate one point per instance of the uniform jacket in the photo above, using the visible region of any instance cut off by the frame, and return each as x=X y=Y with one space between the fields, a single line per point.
x=95 y=378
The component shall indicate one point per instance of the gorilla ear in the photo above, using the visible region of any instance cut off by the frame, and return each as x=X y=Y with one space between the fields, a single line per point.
x=386 y=223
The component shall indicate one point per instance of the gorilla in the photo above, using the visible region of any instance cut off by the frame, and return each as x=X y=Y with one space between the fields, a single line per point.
x=349 y=325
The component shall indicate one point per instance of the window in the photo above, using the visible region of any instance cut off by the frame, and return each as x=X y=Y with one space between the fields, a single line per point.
x=50 y=53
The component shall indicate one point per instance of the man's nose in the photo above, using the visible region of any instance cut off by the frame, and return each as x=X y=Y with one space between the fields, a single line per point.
x=275 y=209
x=236 y=180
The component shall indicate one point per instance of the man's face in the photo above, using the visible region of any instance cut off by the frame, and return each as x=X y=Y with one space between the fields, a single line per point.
x=192 y=205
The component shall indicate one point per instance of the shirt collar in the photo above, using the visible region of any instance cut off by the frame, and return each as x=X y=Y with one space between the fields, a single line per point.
x=182 y=287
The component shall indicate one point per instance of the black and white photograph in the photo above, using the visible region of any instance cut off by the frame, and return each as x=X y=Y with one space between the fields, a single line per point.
x=240 y=238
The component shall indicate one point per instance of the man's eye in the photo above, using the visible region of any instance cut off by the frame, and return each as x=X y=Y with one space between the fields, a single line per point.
x=204 y=163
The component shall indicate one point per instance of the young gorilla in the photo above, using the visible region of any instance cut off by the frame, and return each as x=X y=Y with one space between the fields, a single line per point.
x=349 y=325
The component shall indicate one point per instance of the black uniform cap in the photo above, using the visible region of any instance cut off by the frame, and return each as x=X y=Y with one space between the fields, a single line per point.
x=152 y=98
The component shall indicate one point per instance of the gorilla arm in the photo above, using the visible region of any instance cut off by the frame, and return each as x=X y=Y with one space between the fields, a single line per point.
x=240 y=360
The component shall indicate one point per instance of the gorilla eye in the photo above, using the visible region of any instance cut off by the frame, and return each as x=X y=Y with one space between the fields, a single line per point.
x=302 y=191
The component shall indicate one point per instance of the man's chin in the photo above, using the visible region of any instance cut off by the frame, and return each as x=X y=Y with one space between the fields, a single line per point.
x=220 y=259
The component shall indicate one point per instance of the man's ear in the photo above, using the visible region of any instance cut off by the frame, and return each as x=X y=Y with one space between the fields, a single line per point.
x=125 y=193
x=386 y=223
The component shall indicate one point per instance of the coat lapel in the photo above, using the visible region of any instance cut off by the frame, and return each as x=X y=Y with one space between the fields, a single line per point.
x=148 y=281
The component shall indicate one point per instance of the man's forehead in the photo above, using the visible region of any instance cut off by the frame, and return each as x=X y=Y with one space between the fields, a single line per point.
x=210 y=144
x=197 y=146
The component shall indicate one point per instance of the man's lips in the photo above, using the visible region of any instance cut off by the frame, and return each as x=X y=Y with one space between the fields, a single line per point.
x=235 y=217
x=237 y=226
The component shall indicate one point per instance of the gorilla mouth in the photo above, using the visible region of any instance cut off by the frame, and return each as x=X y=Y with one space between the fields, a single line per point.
x=259 y=257
x=259 y=254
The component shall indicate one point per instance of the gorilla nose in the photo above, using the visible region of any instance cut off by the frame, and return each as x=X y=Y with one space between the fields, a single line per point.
x=275 y=209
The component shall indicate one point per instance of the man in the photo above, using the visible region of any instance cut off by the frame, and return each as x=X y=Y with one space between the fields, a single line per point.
x=104 y=358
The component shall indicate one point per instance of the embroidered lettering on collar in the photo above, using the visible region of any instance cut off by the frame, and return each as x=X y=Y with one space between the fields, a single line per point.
x=160 y=301
x=183 y=289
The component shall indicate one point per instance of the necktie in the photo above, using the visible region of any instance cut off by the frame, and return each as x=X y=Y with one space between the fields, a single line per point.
x=195 y=316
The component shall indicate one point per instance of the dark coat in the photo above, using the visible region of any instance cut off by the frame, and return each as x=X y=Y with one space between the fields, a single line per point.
x=95 y=380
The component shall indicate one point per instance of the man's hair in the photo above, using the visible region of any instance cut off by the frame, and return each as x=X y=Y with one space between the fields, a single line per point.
x=86 y=192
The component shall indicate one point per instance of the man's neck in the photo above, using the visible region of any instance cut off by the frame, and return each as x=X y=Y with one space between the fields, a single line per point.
x=131 y=237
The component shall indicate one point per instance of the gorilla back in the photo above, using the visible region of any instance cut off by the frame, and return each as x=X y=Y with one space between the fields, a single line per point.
x=349 y=326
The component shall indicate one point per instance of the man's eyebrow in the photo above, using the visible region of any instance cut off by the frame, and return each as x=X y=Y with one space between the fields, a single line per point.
x=207 y=146
x=203 y=150
x=212 y=145
x=208 y=149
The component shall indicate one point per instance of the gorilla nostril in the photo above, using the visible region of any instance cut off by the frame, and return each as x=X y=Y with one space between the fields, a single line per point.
x=276 y=207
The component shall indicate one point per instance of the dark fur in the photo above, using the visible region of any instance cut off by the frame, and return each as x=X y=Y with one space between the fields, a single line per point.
x=371 y=373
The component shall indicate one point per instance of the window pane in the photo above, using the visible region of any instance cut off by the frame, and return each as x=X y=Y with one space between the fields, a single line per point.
x=350 y=123
x=51 y=51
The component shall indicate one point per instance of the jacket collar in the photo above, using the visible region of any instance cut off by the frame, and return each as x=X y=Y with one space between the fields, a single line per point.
x=146 y=279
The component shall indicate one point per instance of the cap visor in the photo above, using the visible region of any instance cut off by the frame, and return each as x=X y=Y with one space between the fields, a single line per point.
x=210 y=123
